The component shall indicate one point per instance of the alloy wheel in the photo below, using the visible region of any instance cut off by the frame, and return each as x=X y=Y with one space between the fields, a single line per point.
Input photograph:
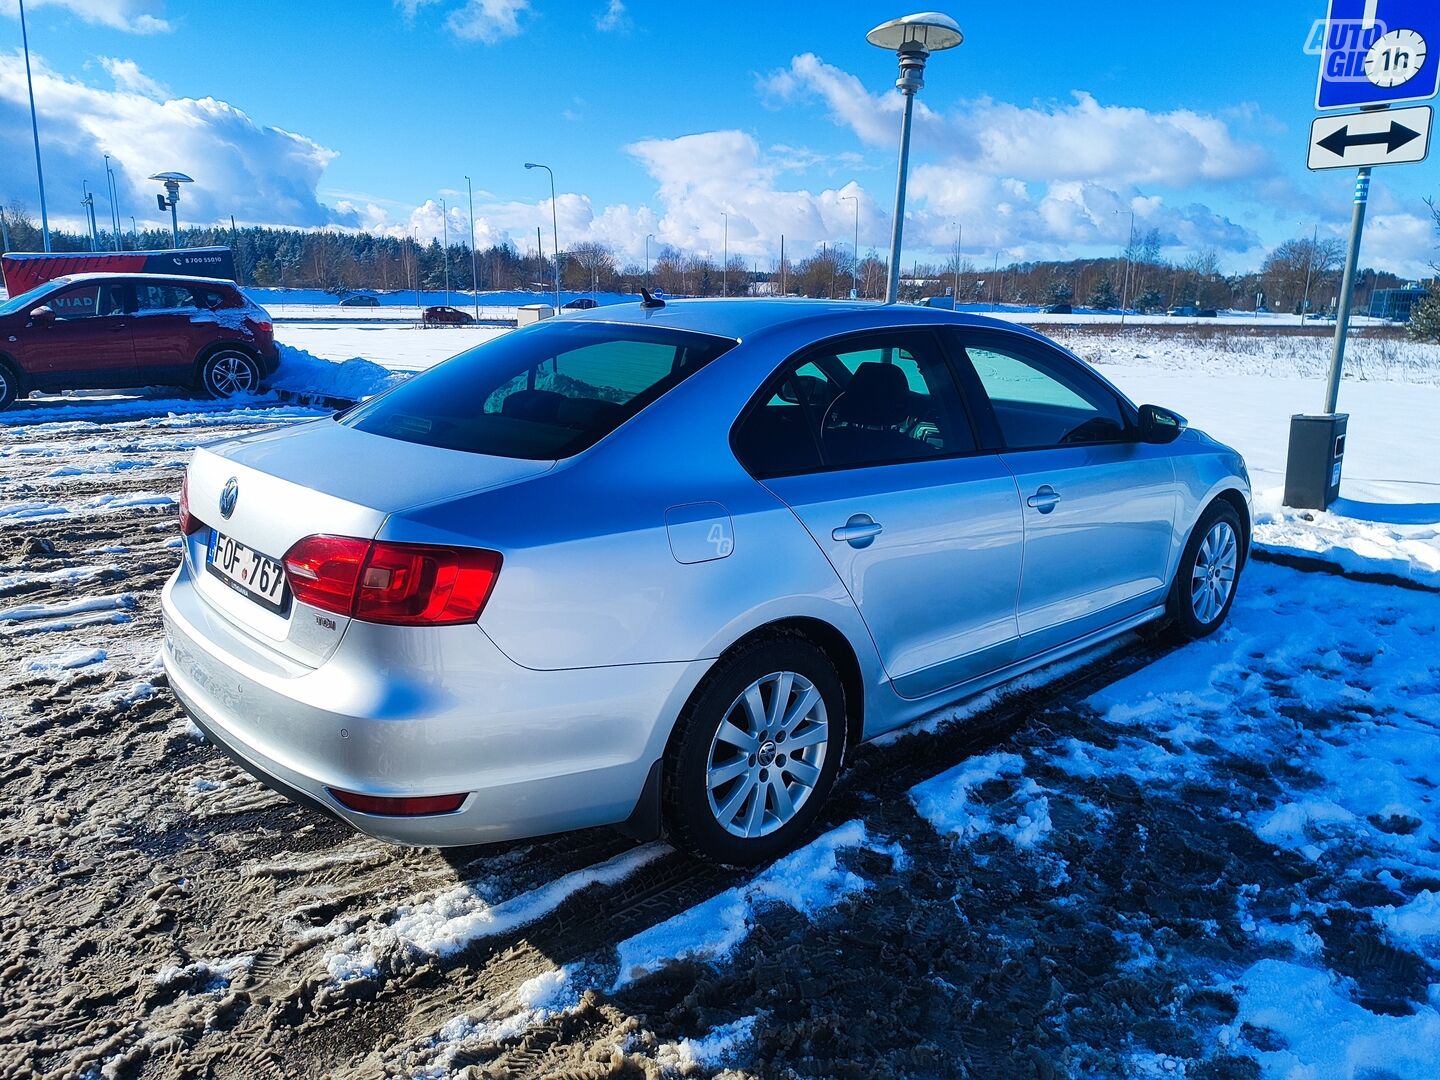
x=1213 y=576
x=231 y=373
x=767 y=755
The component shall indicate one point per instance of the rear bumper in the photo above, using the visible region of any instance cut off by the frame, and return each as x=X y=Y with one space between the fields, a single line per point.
x=398 y=712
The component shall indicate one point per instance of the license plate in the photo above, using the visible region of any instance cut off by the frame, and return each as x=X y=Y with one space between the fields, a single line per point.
x=248 y=572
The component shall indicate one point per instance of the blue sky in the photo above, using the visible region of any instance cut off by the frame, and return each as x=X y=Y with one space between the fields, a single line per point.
x=1038 y=136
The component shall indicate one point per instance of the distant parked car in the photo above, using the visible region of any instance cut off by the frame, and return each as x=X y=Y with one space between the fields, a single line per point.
x=1058 y=309
x=1183 y=312
x=582 y=303
x=90 y=331
x=360 y=300
x=1206 y=313
x=447 y=316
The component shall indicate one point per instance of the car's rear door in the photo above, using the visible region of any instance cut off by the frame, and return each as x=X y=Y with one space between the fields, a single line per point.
x=167 y=337
x=1099 y=505
x=882 y=468
x=87 y=344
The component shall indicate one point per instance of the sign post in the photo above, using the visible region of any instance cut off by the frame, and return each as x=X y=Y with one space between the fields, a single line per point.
x=1374 y=54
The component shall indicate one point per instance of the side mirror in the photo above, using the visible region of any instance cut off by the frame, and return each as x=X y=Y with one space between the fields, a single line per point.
x=1159 y=424
x=42 y=314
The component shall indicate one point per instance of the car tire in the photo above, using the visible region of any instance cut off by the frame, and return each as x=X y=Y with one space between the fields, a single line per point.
x=1209 y=573
x=739 y=796
x=226 y=373
x=9 y=386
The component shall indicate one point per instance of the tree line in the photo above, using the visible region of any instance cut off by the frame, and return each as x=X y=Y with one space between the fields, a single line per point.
x=1301 y=274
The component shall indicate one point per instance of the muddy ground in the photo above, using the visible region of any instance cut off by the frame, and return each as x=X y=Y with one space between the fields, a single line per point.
x=163 y=915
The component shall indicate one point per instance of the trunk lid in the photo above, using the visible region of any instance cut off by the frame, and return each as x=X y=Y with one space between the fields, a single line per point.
x=319 y=477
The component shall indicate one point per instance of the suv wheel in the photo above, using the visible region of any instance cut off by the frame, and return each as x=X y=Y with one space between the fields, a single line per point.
x=229 y=372
x=1209 y=572
x=756 y=752
x=9 y=386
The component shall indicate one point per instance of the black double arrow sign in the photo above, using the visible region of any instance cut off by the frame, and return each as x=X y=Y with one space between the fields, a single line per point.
x=1338 y=142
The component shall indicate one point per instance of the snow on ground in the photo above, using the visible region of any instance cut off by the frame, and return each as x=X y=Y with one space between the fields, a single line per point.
x=399 y=348
x=1223 y=865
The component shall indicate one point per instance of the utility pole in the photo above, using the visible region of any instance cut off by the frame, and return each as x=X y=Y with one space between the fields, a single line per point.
x=539 y=258
x=1129 y=255
x=445 y=231
x=1309 y=269
x=855 y=266
x=959 y=232
x=88 y=204
x=725 y=257
x=35 y=129
x=474 y=278
x=648 y=238
x=783 y=291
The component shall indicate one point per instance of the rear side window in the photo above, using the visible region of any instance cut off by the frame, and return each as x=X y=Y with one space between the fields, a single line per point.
x=544 y=393
x=176 y=297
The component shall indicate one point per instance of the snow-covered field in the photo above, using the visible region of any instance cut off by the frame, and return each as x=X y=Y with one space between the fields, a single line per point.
x=1221 y=861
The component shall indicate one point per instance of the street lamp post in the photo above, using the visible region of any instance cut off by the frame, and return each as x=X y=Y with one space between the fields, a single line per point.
x=35 y=129
x=648 y=238
x=171 y=199
x=554 y=225
x=114 y=189
x=855 y=266
x=913 y=38
x=87 y=203
x=474 y=278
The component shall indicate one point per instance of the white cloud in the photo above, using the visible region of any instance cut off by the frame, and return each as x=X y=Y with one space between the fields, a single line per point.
x=129 y=77
x=257 y=173
x=1077 y=140
x=487 y=21
x=132 y=16
x=614 y=19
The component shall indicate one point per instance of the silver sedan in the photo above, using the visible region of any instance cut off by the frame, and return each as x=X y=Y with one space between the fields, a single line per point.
x=659 y=565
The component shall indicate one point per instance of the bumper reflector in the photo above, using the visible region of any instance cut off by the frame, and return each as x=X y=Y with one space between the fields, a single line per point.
x=404 y=806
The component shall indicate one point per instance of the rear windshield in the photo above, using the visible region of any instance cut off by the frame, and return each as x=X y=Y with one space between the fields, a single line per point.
x=546 y=392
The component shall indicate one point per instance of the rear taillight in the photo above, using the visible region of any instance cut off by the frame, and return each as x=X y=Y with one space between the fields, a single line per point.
x=189 y=523
x=402 y=806
x=399 y=584
x=266 y=327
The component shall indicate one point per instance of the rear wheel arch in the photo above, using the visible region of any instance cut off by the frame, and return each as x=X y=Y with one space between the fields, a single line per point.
x=211 y=351
x=834 y=644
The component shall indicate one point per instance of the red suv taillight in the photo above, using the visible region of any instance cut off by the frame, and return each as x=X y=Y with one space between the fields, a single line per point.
x=400 y=584
x=188 y=522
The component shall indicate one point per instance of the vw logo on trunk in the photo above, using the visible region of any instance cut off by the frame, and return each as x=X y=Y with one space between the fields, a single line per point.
x=228 y=495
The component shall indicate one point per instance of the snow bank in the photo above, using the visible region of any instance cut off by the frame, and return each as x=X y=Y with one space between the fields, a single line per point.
x=304 y=373
x=1325 y=1034
x=1351 y=543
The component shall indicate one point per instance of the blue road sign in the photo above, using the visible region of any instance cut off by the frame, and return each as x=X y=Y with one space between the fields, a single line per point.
x=1379 y=52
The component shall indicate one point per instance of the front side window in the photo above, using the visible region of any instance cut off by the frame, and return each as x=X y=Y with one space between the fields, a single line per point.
x=1044 y=402
x=874 y=401
x=167 y=298
x=544 y=393
x=88 y=302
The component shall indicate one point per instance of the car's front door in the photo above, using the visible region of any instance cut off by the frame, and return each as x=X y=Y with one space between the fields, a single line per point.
x=867 y=440
x=86 y=343
x=1099 y=505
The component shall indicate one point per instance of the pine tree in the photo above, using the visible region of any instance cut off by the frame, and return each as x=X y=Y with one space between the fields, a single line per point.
x=1104 y=297
x=1425 y=318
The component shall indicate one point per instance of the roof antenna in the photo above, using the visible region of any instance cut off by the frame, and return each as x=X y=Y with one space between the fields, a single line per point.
x=649 y=301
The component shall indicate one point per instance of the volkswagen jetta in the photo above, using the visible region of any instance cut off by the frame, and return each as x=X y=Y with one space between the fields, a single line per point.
x=660 y=565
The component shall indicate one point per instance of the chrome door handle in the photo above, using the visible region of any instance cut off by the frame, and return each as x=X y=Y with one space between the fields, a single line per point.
x=860 y=531
x=1044 y=500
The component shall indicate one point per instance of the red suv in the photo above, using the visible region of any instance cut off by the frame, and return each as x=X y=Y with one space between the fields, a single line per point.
x=102 y=330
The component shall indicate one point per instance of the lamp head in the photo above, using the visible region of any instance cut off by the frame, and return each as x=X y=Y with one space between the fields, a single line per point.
x=927 y=31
